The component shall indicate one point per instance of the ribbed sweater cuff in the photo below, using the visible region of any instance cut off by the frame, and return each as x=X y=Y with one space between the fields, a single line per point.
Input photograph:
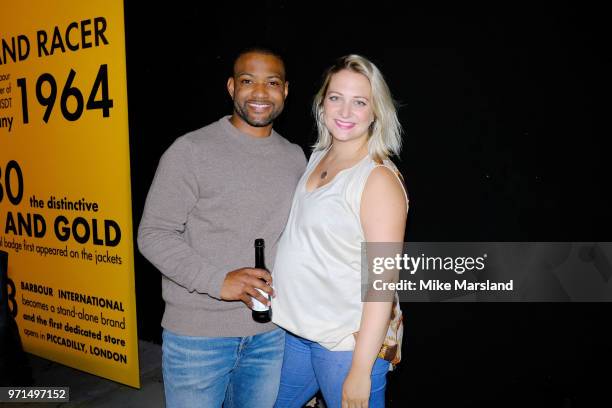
x=215 y=283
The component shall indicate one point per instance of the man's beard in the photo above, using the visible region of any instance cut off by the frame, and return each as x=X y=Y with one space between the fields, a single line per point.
x=242 y=111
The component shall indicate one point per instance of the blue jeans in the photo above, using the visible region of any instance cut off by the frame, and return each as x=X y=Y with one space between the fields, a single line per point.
x=214 y=371
x=308 y=367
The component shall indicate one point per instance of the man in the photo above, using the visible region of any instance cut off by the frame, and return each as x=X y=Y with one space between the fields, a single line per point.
x=215 y=191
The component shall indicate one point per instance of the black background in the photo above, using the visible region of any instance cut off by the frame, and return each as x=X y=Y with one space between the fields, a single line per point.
x=505 y=112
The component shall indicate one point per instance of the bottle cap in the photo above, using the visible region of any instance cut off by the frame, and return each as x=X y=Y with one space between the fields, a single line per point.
x=259 y=242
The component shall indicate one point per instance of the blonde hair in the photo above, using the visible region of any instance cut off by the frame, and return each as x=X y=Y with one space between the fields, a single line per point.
x=385 y=133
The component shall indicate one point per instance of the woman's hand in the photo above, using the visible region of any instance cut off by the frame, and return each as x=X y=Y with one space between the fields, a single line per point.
x=356 y=389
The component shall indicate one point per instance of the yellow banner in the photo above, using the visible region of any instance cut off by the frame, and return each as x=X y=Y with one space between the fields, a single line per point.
x=65 y=198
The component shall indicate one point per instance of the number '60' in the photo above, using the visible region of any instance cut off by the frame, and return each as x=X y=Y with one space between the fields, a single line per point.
x=14 y=191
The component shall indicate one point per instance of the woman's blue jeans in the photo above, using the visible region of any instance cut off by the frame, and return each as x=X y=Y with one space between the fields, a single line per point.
x=308 y=367
x=214 y=371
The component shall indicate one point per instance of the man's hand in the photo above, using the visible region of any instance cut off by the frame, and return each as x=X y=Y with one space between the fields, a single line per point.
x=240 y=285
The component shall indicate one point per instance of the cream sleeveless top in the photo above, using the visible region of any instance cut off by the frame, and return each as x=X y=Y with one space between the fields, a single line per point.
x=317 y=271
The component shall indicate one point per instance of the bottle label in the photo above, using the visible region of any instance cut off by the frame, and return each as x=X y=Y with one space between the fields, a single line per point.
x=257 y=305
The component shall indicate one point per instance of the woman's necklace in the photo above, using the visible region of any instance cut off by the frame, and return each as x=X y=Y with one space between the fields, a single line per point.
x=324 y=173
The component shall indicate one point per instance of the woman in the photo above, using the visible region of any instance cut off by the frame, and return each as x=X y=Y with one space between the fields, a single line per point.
x=350 y=193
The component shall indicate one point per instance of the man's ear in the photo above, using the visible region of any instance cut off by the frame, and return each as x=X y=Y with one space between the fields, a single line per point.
x=286 y=88
x=230 y=86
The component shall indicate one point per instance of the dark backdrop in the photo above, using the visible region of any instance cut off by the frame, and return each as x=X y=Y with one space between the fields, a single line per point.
x=505 y=114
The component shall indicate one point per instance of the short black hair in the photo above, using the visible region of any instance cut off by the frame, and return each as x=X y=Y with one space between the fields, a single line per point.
x=258 y=49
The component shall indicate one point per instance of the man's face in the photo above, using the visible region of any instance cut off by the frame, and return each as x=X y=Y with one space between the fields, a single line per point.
x=258 y=88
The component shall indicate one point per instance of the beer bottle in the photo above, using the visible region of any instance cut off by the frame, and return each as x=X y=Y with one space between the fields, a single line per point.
x=261 y=313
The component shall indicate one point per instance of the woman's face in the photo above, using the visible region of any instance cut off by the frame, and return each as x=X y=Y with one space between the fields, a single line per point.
x=347 y=108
